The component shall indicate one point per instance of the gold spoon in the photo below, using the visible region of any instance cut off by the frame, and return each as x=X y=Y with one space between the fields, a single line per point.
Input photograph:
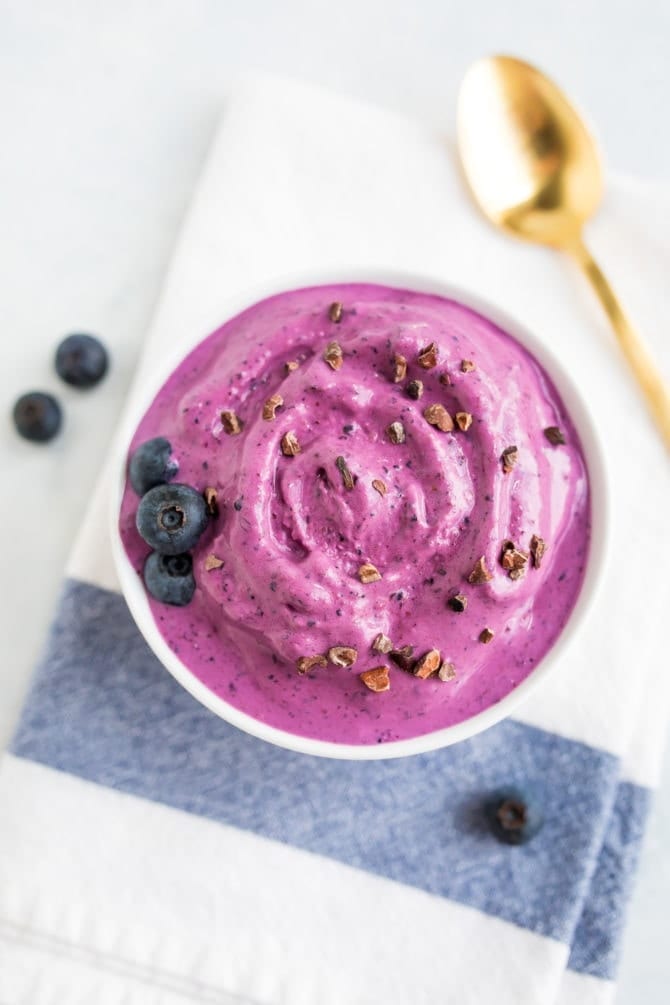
x=534 y=170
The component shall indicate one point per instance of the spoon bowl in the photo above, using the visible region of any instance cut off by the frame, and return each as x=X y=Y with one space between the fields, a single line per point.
x=548 y=178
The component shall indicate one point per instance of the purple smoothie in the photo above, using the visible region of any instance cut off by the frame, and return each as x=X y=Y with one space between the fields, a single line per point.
x=292 y=536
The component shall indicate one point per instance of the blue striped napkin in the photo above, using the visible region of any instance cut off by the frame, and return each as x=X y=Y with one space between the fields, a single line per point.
x=150 y=853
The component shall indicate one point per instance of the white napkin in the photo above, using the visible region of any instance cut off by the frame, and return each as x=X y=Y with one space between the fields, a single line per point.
x=298 y=178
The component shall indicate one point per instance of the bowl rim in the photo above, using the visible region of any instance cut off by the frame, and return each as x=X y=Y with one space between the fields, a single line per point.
x=135 y=595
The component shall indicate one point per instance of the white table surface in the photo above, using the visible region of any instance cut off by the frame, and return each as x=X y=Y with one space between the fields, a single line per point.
x=107 y=110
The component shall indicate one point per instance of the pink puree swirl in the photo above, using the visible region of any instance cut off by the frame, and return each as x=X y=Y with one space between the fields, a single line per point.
x=292 y=536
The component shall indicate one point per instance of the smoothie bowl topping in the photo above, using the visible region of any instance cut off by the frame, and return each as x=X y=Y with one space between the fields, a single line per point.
x=361 y=539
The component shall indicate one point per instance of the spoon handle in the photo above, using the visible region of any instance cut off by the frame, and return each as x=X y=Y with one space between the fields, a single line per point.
x=639 y=360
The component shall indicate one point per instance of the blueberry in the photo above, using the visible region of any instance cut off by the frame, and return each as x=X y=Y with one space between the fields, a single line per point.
x=514 y=816
x=171 y=518
x=152 y=464
x=169 y=578
x=37 y=416
x=81 y=360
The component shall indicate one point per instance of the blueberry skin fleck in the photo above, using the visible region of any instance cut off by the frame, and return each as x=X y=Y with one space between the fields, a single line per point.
x=37 y=416
x=171 y=518
x=152 y=464
x=169 y=578
x=81 y=360
x=514 y=816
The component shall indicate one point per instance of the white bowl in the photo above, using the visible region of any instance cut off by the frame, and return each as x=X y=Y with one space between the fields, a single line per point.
x=136 y=597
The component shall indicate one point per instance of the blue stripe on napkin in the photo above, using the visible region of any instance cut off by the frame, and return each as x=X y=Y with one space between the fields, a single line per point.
x=103 y=708
x=598 y=935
